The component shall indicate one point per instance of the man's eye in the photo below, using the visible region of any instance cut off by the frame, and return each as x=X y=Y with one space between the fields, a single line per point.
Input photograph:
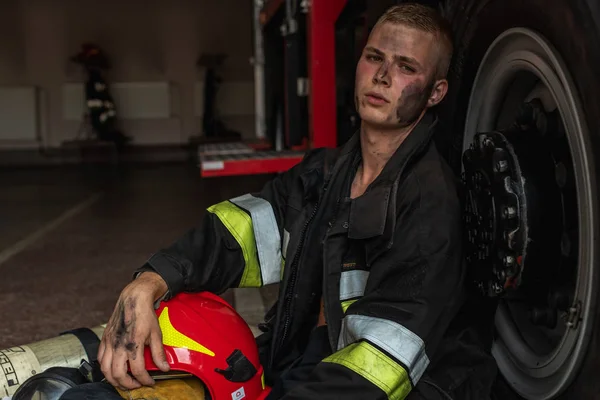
x=372 y=57
x=407 y=68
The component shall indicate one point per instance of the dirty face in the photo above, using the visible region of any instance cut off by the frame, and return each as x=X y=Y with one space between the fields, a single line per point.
x=395 y=77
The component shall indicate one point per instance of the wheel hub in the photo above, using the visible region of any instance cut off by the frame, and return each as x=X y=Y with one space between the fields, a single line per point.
x=513 y=208
x=515 y=214
x=495 y=214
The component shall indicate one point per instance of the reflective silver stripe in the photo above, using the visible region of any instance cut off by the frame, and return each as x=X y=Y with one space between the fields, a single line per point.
x=391 y=337
x=286 y=241
x=352 y=284
x=266 y=235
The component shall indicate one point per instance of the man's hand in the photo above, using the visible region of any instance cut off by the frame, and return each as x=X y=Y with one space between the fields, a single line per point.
x=132 y=326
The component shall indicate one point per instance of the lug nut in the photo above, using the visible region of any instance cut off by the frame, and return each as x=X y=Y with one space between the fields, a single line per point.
x=497 y=288
x=508 y=261
x=509 y=212
x=501 y=274
x=502 y=166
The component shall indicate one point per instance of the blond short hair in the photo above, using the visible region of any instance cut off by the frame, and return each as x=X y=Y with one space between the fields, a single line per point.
x=426 y=19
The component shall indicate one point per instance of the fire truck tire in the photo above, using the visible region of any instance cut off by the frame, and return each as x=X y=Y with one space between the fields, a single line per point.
x=572 y=28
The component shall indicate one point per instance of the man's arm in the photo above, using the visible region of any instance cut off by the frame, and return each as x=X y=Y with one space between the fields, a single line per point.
x=390 y=334
x=238 y=243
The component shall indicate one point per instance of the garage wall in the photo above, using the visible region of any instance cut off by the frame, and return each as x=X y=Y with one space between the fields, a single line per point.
x=153 y=45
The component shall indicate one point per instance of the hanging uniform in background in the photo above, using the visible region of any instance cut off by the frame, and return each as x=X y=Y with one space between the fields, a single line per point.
x=101 y=106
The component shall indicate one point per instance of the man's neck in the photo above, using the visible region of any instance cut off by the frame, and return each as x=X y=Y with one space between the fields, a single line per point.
x=377 y=147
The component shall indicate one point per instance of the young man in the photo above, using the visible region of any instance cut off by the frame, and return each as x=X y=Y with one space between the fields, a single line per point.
x=365 y=240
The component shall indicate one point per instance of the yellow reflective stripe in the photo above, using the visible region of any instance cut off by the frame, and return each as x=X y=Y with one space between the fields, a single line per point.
x=172 y=337
x=266 y=235
x=373 y=365
x=389 y=336
x=239 y=224
x=347 y=303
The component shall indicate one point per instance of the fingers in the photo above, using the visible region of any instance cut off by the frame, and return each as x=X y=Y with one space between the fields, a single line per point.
x=106 y=366
x=138 y=365
x=119 y=373
x=132 y=325
x=158 y=351
x=114 y=366
x=113 y=352
x=100 y=354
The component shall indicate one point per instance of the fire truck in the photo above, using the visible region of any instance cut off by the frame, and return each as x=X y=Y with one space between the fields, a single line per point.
x=517 y=126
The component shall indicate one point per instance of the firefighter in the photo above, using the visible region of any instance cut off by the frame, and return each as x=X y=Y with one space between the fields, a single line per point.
x=365 y=241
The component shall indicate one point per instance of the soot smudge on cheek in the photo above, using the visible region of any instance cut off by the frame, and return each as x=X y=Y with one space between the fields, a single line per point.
x=412 y=102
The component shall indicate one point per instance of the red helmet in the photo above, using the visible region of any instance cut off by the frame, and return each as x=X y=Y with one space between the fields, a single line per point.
x=205 y=337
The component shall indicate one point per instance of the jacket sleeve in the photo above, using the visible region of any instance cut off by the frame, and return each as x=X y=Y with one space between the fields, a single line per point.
x=237 y=244
x=389 y=332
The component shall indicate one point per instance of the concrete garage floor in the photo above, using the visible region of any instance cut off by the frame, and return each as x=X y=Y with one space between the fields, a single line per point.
x=70 y=239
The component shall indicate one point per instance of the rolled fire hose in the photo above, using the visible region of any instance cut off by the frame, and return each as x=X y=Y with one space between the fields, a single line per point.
x=19 y=363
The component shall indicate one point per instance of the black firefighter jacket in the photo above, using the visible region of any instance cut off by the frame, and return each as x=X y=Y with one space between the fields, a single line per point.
x=388 y=265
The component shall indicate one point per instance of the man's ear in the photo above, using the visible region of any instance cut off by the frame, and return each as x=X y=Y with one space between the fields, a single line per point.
x=440 y=88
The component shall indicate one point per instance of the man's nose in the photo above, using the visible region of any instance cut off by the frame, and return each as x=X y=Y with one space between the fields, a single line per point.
x=382 y=76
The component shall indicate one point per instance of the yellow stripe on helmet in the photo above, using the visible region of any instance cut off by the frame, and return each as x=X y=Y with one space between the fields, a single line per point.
x=172 y=337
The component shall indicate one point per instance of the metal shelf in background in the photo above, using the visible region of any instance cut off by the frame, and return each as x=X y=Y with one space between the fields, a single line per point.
x=257 y=162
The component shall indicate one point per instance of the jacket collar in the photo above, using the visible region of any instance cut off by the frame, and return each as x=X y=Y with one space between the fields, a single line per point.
x=414 y=144
x=367 y=221
x=407 y=152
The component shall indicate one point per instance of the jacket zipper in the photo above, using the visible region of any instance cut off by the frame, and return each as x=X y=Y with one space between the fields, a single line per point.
x=325 y=292
x=294 y=269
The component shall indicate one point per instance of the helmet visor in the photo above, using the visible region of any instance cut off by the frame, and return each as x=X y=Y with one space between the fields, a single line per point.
x=42 y=388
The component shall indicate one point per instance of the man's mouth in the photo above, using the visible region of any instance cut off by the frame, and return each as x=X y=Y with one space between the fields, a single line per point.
x=376 y=98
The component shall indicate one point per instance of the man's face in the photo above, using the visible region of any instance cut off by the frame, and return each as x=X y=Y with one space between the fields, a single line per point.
x=395 y=76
